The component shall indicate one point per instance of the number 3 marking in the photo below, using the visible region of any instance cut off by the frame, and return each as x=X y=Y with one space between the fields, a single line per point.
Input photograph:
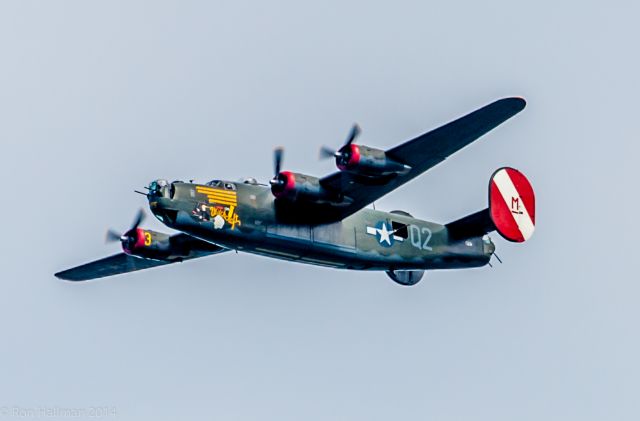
x=147 y=238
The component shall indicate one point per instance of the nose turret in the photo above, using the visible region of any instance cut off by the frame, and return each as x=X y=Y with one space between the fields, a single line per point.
x=161 y=195
x=159 y=188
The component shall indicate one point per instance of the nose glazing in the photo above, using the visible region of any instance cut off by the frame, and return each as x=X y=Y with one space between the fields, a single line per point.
x=159 y=188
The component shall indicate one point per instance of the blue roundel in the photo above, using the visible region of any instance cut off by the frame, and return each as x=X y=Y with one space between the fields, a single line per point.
x=383 y=233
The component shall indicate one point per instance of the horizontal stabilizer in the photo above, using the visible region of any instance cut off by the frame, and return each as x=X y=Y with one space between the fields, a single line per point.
x=474 y=225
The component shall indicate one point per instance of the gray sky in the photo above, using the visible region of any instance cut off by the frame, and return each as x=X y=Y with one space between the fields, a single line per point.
x=95 y=98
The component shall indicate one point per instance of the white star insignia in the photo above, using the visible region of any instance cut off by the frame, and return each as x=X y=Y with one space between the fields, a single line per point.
x=384 y=234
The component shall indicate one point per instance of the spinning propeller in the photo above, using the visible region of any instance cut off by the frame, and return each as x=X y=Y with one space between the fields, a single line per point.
x=129 y=238
x=345 y=150
x=283 y=182
x=277 y=181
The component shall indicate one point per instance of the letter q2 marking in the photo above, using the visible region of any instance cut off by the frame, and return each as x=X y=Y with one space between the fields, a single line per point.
x=420 y=237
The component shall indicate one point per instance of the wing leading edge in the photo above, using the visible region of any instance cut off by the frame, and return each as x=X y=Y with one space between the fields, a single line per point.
x=422 y=153
x=112 y=265
x=123 y=263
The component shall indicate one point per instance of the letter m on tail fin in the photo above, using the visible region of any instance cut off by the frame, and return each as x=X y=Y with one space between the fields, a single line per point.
x=511 y=211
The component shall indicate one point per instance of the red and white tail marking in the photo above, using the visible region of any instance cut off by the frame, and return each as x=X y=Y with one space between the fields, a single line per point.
x=512 y=204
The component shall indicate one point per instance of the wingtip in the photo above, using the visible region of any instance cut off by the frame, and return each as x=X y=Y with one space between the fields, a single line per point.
x=518 y=100
x=512 y=103
x=64 y=276
x=60 y=275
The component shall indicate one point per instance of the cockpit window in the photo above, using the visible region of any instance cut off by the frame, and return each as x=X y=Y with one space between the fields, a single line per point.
x=221 y=184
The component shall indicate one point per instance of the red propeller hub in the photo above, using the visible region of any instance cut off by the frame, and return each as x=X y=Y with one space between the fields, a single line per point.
x=135 y=240
x=287 y=184
x=350 y=157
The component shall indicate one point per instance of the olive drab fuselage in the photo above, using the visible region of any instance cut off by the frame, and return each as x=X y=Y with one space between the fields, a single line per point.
x=245 y=216
x=326 y=220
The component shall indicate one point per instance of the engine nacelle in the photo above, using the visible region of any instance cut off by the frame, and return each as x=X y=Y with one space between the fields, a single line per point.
x=364 y=160
x=155 y=245
x=146 y=243
x=294 y=186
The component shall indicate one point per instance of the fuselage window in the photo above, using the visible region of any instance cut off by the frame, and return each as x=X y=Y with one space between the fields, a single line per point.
x=399 y=229
x=229 y=186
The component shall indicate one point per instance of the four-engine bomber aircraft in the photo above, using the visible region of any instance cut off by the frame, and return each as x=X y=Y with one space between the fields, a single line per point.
x=323 y=221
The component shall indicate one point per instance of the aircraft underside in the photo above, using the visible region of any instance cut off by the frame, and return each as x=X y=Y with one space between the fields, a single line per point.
x=349 y=246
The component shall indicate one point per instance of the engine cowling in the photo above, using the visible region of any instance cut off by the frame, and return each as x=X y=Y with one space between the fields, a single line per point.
x=147 y=243
x=369 y=161
x=295 y=186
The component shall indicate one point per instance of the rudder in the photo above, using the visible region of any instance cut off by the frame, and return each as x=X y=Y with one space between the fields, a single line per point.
x=512 y=204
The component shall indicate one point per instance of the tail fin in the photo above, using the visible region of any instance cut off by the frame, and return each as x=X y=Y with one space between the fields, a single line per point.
x=511 y=211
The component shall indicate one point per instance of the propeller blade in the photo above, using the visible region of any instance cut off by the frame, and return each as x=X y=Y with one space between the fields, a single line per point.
x=355 y=131
x=112 y=236
x=326 y=152
x=139 y=218
x=277 y=159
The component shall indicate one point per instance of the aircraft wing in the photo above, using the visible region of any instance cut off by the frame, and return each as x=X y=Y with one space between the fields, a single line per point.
x=421 y=153
x=123 y=263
